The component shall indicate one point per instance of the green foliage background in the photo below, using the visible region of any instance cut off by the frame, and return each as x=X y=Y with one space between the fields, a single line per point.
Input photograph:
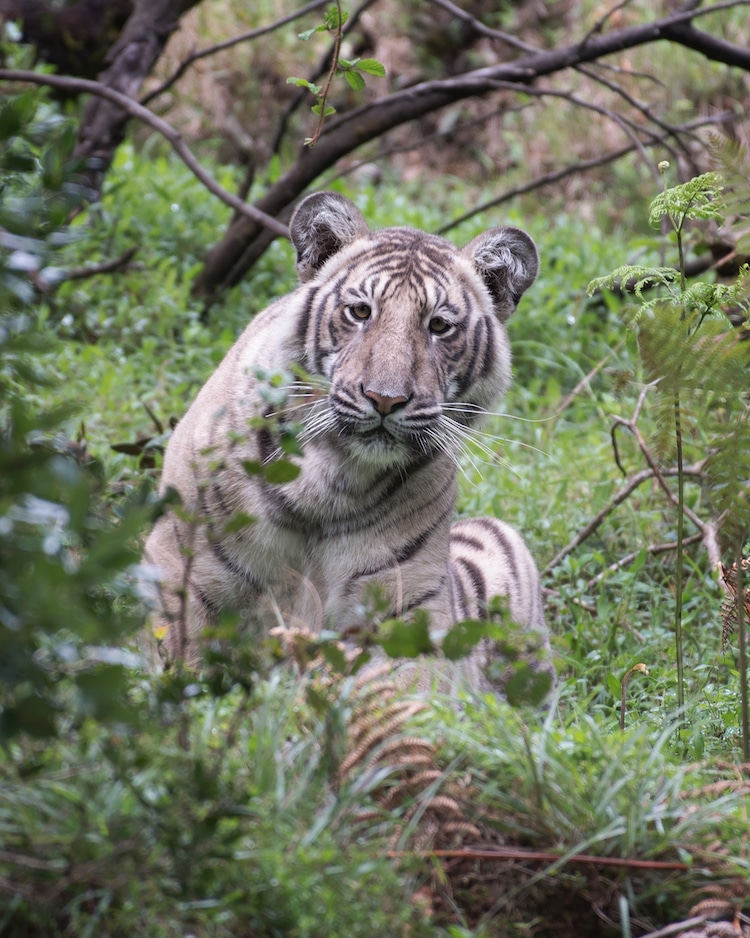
x=133 y=804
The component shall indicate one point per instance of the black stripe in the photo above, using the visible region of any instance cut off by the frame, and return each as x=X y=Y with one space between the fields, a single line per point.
x=502 y=541
x=407 y=552
x=488 y=359
x=303 y=323
x=466 y=377
x=425 y=597
x=459 y=599
x=219 y=551
x=457 y=537
x=477 y=580
x=211 y=608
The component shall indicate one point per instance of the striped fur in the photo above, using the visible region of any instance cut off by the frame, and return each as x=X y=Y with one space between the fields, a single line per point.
x=401 y=340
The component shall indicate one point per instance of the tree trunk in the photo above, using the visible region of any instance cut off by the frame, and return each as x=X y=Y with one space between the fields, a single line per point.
x=129 y=61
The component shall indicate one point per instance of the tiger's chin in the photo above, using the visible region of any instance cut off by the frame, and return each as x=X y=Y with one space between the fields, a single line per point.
x=380 y=449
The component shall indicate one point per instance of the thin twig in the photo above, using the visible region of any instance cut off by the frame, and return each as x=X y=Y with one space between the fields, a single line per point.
x=630 y=486
x=479 y=26
x=134 y=109
x=586 y=380
x=602 y=21
x=326 y=89
x=227 y=44
x=669 y=130
x=93 y=270
x=570 y=170
x=313 y=76
x=652 y=549
x=549 y=593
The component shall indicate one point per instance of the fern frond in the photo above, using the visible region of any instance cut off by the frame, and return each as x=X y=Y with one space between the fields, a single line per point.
x=698 y=198
x=733 y=162
x=638 y=276
x=728 y=474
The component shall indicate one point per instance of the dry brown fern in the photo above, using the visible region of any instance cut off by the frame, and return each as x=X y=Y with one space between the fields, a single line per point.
x=399 y=770
x=729 y=606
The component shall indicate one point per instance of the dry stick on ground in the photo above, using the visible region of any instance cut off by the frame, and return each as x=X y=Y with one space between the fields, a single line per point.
x=516 y=853
x=173 y=136
x=652 y=549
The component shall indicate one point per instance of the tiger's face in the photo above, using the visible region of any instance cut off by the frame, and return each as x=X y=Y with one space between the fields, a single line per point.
x=407 y=330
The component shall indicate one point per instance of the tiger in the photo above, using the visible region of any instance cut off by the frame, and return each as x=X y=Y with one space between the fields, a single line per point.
x=389 y=351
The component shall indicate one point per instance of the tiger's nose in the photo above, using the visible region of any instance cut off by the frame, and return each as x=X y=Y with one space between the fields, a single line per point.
x=384 y=404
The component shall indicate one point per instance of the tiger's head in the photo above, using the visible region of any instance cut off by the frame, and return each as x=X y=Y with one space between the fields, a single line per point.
x=407 y=330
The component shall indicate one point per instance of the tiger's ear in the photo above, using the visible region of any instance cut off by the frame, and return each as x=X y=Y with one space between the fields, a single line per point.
x=322 y=224
x=508 y=262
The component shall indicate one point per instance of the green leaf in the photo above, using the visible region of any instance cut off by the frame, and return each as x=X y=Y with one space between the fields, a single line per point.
x=280 y=471
x=354 y=80
x=308 y=33
x=371 y=67
x=407 y=639
x=333 y=19
x=316 y=109
x=238 y=521
x=463 y=637
x=334 y=656
x=16 y=113
x=614 y=686
x=527 y=687
x=639 y=561
x=304 y=83
x=32 y=715
x=641 y=277
x=253 y=467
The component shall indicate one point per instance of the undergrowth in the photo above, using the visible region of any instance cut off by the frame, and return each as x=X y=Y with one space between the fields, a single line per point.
x=214 y=805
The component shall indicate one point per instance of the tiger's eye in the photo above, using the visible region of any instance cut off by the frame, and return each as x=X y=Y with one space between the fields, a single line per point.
x=439 y=326
x=359 y=311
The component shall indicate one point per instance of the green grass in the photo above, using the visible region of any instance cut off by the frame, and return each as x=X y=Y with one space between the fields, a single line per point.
x=219 y=814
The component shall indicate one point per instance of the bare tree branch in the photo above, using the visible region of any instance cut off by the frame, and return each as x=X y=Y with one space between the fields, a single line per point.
x=227 y=44
x=572 y=170
x=483 y=30
x=93 y=270
x=245 y=241
x=132 y=108
x=652 y=549
x=634 y=482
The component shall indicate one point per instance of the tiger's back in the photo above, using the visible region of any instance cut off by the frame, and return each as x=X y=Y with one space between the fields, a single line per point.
x=394 y=346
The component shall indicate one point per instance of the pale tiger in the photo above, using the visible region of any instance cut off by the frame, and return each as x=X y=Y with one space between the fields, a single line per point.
x=395 y=347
